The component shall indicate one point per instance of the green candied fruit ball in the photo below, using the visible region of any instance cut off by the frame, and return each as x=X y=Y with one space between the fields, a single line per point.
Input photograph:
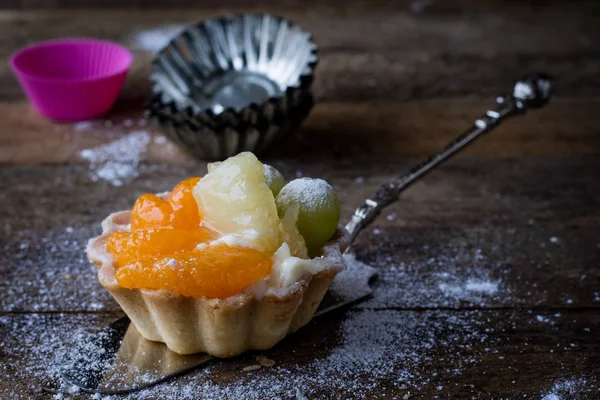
x=274 y=179
x=318 y=209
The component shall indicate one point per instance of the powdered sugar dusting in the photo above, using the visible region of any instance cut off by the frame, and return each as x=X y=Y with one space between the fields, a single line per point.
x=117 y=162
x=452 y=275
x=479 y=286
x=401 y=348
x=368 y=350
x=311 y=194
x=352 y=280
x=271 y=173
x=471 y=290
x=39 y=339
x=375 y=349
x=83 y=126
x=53 y=273
x=565 y=389
x=374 y=346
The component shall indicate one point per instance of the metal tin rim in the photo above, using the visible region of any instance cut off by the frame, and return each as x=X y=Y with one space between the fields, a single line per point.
x=305 y=78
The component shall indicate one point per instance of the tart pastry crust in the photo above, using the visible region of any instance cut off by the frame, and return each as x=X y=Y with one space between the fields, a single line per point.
x=220 y=327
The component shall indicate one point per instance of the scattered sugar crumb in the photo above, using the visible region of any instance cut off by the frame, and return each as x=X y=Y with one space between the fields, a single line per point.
x=480 y=286
x=153 y=40
x=545 y=320
x=265 y=361
x=300 y=395
x=117 y=162
x=470 y=290
x=352 y=279
x=359 y=180
x=391 y=216
x=554 y=239
x=82 y=126
x=552 y=396
x=73 y=389
x=160 y=139
x=376 y=231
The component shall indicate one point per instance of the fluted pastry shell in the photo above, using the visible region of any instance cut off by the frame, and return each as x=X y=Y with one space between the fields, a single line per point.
x=220 y=327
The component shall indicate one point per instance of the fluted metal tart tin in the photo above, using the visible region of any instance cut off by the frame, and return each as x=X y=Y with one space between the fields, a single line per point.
x=234 y=83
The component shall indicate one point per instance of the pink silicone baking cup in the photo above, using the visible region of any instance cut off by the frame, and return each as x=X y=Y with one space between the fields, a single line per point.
x=72 y=79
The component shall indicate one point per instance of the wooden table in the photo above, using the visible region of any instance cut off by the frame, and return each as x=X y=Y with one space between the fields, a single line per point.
x=488 y=282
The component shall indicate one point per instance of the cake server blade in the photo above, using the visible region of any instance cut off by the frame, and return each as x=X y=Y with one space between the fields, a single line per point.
x=118 y=360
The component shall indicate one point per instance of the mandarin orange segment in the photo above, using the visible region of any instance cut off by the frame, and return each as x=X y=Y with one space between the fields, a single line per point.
x=150 y=211
x=217 y=271
x=185 y=209
x=160 y=251
x=128 y=247
x=178 y=211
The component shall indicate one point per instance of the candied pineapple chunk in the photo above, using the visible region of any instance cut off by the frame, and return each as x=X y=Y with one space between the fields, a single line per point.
x=234 y=198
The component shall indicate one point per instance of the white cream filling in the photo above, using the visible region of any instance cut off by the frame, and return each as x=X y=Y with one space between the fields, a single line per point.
x=288 y=269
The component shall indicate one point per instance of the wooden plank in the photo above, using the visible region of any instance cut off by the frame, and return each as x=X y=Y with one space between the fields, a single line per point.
x=398 y=84
x=343 y=131
x=488 y=284
x=396 y=354
x=528 y=228
x=404 y=56
x=419 y=268
x=391 y=75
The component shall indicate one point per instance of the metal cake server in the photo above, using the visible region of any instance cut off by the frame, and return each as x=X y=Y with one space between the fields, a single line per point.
x=119 y=360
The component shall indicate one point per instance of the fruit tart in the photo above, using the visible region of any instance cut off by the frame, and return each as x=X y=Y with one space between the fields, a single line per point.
x=225 y=263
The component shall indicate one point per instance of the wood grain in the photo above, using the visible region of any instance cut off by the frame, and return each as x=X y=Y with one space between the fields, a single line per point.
x=351 y=131
x=413 y=81
x=480 y=354
x=395 y=82
x=507 y=210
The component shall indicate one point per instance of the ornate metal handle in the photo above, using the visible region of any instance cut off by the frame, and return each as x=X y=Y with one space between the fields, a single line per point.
x=530 y=92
